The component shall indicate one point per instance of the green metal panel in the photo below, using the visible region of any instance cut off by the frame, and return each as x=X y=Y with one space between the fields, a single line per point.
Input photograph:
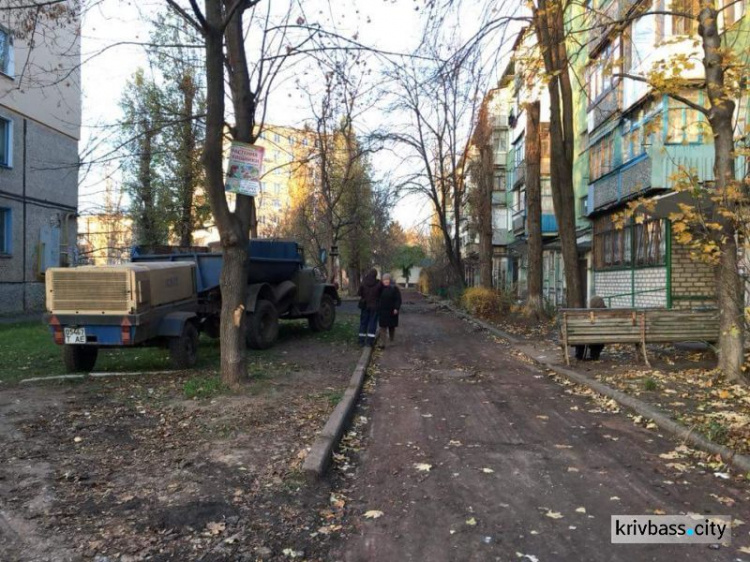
x=669 y=263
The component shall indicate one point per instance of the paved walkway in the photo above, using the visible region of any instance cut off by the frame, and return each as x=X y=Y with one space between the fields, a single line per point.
x=518 y=466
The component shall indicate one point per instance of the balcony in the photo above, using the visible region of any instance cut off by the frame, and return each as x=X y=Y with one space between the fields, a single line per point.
x=519 y=221
x=654 y=172
x=549 y=224
x=501 y=236
x=499 y=198
x=500 y=158
x=519 y=175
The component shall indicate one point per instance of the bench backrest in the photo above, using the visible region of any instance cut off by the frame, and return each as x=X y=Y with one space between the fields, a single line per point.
x=681 y=325
x=604 y=325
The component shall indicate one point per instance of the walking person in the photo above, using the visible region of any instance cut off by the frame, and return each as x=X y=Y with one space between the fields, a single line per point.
x=388 y=309
x=369 y=294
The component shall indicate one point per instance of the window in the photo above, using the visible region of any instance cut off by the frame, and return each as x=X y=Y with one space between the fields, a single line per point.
x=685 y=25
x=6 y=53
x=583 y=206
x=500 y=182
x=6 y=143
x=602 y=157
x=685 y=125
x=276 y=138
x=600 y=73
x=501 y=142
x=634 y=245
x=730 y=12
x=637 y=132
x=5 y=231
x=548 y=206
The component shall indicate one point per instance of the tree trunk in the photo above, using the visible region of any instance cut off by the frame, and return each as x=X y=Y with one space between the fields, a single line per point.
x=549 y=23
x=233 y=281
x=486 y=183
x=729 y=281
x=187 y=179
x=534 y=210
x=147 y=234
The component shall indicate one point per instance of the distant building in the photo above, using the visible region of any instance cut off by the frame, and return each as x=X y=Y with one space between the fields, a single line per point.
x=40 y=116
x=289 y=168
x=104 y=239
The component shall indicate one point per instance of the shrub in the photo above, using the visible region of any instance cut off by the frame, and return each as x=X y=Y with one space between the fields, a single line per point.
x=203 y=387
x=485 y=303
x=650 y=384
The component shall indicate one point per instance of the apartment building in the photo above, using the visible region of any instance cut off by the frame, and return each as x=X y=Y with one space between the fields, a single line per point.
x=497 y=103
x=637 y=141
x=40 y=117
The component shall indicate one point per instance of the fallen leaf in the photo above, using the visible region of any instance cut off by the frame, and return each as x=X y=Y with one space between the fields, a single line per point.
x=614 y=499
x=373 y=514
x=581 y=510
x=744 y=549
x=554 y=515
x=543 y=417
x=563 y=446
x=487 y=470
x=471 y=522
x=573 y=469
x=422 y=467
x=291 y=553
x=530 y=557
x=216 y=528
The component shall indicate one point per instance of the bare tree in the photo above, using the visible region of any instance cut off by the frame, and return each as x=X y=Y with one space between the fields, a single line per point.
x=440 y=100
x=482 y=173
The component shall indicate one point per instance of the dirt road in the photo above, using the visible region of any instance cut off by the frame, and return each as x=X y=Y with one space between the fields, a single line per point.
x=519 y=469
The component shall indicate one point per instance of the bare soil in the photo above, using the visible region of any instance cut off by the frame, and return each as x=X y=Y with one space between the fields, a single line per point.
x=127 y=469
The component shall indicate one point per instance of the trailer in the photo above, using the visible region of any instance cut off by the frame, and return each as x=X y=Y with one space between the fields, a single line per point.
x=167 y=298
x=123 y=306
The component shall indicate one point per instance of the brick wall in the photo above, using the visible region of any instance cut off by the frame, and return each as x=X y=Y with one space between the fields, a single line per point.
x=626 y=281
x=691 y=279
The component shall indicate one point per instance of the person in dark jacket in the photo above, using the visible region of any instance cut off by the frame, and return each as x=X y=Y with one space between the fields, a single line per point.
x=388 y=309
x=369 y=294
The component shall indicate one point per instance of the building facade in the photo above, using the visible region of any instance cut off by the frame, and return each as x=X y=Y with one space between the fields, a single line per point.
x=631 y=143
x=639 y=142
x=40 y=117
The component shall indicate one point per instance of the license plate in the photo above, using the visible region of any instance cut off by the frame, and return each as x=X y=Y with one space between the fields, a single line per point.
x=75 y=335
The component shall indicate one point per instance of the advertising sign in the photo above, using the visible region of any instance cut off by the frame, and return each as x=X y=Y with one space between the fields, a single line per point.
x=244 y=169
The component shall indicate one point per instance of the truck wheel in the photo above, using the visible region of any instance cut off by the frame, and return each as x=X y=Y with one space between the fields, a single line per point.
x=80 y=358
x=183 y=350
x=262 y=326
x=323 y=320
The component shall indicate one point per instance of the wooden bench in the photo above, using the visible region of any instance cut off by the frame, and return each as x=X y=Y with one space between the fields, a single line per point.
x=593 y=326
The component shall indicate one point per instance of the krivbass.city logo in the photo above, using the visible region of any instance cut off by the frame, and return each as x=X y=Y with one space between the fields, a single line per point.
x=671 y=529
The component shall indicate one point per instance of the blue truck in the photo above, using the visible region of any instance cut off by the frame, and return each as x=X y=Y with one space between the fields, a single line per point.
x=168 y=298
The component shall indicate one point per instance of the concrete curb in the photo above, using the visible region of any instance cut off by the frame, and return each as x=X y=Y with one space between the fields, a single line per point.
x=319 y=458
x=639 y=406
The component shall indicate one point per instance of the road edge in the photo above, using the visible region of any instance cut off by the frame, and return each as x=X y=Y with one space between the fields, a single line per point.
x=659 y=417
x=319 y=457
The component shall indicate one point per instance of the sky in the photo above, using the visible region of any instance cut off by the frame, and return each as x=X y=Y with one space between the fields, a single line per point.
x=111 y=54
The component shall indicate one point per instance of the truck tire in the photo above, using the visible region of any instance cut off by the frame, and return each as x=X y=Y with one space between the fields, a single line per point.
x=324 y=319
x=80 y=358
x=262 y=325
x=183 y=350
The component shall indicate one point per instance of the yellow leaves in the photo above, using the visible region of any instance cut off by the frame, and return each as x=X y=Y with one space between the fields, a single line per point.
x=373 y=514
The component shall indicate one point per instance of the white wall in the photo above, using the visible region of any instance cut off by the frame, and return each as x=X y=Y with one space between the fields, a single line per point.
x=46 y=85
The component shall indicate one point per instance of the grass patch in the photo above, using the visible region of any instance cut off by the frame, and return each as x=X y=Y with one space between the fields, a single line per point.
x=650 y=384
x=27 y=350
x=203 y=387
x=333 y=397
